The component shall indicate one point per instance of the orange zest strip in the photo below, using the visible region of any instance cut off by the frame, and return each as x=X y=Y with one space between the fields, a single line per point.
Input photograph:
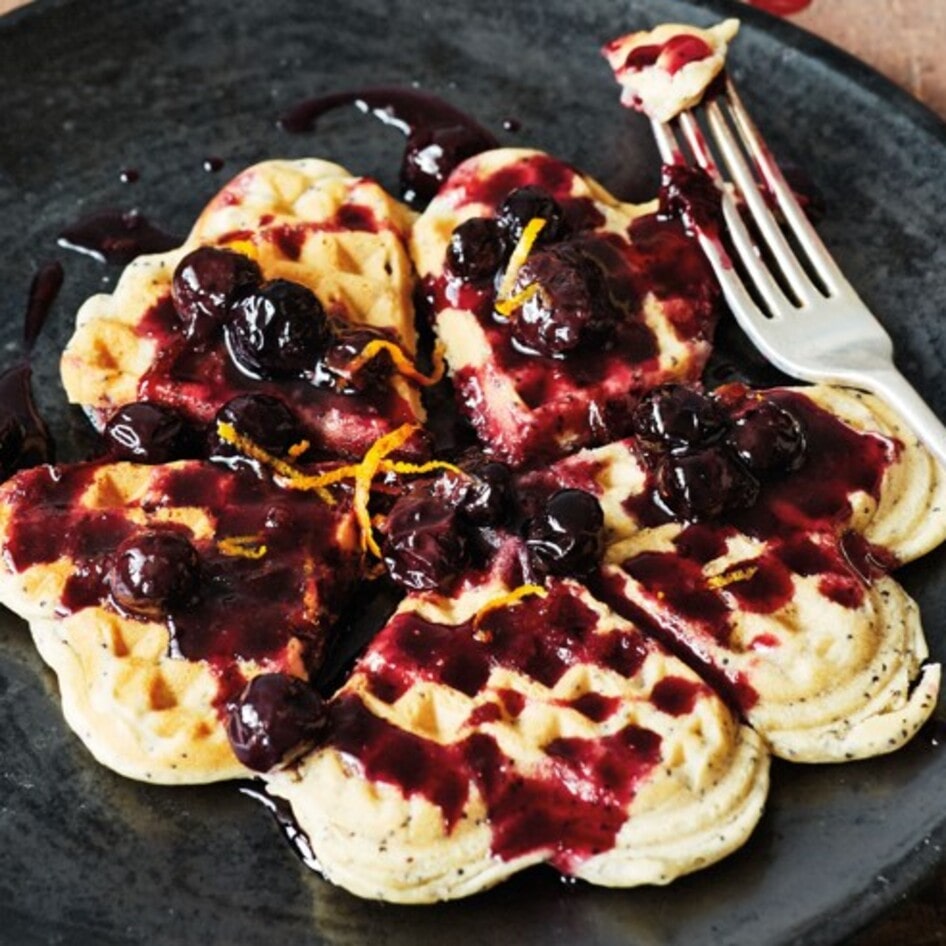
x=246 y=247
x=294 y=478
x=730 y=578
x=508 y=600
x=297 y=449
x=366 y=471
x=400 y=466
x=519 y=255
x=402 y=363
x=242 y=546
x=506 y=307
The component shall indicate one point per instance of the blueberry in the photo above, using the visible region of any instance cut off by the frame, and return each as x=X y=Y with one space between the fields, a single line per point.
x=476 y=250
x=525 y=204
x=488 y=500
x=261 y=418
x=152 y=572
x=144 y=432
x=768 y=439
x=274 y=720
x=568 y=303
x=426 y=544
x=346 y=345
x=675 y=417
x=12 y=438
x=566 y=538
x=277 y=330
x=205 y=282
x=704 y=484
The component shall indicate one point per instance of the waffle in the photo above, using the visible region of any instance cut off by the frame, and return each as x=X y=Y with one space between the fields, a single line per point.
x=668 y=69
x=148 y=696
x=307 y=221
x=821 y=649
x=479 y=736
x=526 y=408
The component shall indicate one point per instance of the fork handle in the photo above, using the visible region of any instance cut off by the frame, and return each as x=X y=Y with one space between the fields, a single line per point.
x=915 y=412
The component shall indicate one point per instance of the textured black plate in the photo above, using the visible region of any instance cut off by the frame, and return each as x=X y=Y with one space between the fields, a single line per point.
x=88 y=89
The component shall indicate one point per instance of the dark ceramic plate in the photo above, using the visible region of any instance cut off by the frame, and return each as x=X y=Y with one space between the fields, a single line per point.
x=88 y=89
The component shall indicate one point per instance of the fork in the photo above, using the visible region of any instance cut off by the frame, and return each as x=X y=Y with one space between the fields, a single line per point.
x=815 y=329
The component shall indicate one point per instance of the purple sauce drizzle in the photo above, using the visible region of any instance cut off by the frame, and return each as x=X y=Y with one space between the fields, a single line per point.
x=439 y=136
x=116 y=236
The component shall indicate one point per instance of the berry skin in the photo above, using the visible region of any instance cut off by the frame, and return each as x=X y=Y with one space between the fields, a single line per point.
x=768 y=439
x=674 y=417
x=704 y=484
x=277 y=330
x=525 y=204
x=261 y=418
x=566 y=538
x=152 y=572
x=426 y=544
x=488 y=499
x=143 y=432
x=205 y=282
x=568 y=303
x=274 y=719
x=476 y=250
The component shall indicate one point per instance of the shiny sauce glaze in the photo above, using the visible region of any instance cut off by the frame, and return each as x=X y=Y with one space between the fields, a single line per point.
x=803 y=520
x=589 y=389
x=574 y=802
x=116 y=236
x=671 y=56
x=199 y=379
x=439 y=136
x=272 y=570
x=25 y=438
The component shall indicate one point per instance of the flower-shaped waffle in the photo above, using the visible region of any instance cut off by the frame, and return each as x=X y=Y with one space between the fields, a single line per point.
x=156 y=592
x=196 y=340
x=484 y=732
x=556 y=303
x=784 y=602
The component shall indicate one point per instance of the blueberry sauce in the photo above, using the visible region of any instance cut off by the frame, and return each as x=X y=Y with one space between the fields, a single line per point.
x=274 y=555
x=802 y=517
x=581 y=391
x=116 y=236
x=575 y=801
x=671 y=56
x=439 y=136
x=25 y=439
x=198 y=380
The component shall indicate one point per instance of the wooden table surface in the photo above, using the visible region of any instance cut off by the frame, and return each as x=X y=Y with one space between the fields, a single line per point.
x=905 y=40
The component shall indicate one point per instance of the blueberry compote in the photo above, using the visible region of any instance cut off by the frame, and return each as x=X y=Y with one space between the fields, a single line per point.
x=142 y=432
x=25 y=439
x=772 y=466
x=439 y=136
x=573 y=803
x=576 y=345
x=274 y=719
x=225 y=332
x=275 y=564
x=116 y=236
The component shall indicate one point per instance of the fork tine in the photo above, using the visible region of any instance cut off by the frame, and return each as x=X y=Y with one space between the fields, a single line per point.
x=733 y=288
x=766 y=285
x=801 y=285
x=795 y=217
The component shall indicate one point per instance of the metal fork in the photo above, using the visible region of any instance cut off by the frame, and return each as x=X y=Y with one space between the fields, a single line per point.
x=814 y=330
